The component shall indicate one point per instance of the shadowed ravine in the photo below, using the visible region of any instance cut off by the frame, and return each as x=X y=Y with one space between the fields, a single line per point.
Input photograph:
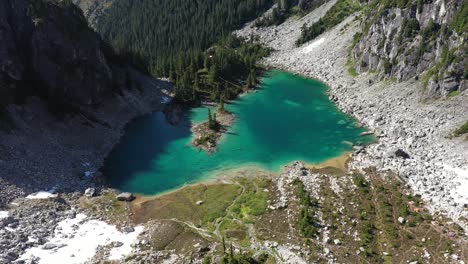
x=290 y=118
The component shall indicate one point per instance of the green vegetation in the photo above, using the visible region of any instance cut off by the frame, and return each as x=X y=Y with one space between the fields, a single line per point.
x=182 y=204
x=221 y=72
x=231 y=258
x=250 y=201
x=428 y=34
x=154 y=33
x=351 y=68
x=446 y=58
x=253 y=202
x=221 y=105
x=213 y=123
x=460 y=21
x=115 y=210
x=308 y=222
x=188 y=41
x=454 y=93
x=287 y=8
x=461 y=130
x=410 y=27
x=341 y=10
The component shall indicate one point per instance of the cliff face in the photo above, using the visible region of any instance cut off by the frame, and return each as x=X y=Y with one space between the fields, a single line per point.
x=93 y=9
x=416 y=38
x=49 y=50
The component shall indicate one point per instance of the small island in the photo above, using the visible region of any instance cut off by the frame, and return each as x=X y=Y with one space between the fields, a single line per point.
x=208 y=134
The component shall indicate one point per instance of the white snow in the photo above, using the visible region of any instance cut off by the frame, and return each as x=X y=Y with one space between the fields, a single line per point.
x=4 y=214
x=460 y=192
x=42 y=194
x=78 y=240
x=313 y=45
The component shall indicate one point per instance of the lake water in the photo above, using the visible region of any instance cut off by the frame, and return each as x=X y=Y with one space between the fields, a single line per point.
x=290 y=118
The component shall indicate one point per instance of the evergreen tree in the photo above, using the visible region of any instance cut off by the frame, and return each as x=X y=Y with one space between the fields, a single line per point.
x=153 y=33
x=224 y=246
x=210 y=120
x=221 y=104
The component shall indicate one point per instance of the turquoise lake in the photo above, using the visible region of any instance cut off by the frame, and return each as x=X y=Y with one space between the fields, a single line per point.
x=289 y=118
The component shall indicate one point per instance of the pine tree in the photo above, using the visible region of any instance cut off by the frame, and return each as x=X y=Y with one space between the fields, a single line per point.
x=224 y=246
x=210 y=119
x=221 y=104
x=251 y=79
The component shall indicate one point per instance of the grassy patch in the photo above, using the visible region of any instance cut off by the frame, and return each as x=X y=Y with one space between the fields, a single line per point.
x=350 y=67
x=454 y=93
x=461 y=130
x=253 y=202
x=243 y=202
x=181 y=204
x=115 y=210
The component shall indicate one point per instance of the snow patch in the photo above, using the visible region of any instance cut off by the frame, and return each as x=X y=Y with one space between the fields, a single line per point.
x=4 y=214
x=43 y=194
x=77 y=240
x=313 y=45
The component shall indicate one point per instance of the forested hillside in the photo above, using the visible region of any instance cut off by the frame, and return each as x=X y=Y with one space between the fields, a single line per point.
x=153 y=32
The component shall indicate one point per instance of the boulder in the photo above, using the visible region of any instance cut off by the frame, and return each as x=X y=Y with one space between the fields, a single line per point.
x=401 y=220
x=402 y=153
x=90 y=192
x=128 y=229
x=397 y=152
x=125 y=196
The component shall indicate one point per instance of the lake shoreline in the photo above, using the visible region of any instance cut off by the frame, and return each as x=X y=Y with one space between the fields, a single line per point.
x=257 y=137
x=339 y=163
x=392 y=110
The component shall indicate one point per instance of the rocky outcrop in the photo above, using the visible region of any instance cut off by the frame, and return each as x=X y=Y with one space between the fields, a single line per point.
x=93 y=9
x=49 y=50
x=415 y=39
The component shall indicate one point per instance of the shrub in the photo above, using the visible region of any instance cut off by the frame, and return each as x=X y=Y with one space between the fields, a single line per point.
x=461 y=130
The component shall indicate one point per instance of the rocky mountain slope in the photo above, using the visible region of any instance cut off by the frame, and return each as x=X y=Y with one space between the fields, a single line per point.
x=93 y=9
x=416 y=39
x=61 y=96
x=50 y=51
x=390 y=204
x=437 y=167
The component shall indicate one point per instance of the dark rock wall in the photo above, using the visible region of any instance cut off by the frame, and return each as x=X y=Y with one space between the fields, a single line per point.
x=48 y=50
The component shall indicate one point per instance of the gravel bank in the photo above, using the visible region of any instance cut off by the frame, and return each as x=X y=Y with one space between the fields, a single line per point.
x=438 y=166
